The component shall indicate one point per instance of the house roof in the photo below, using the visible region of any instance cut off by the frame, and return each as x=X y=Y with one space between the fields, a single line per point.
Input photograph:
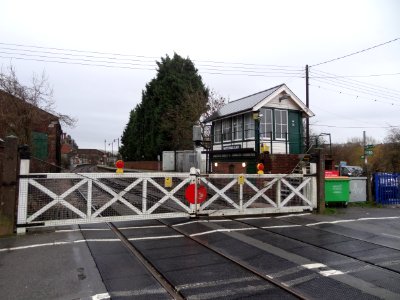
x=255 y=101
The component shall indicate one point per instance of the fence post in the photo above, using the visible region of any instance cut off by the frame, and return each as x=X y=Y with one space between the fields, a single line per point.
x=23 y=189
x=321 y=181
x=279 y=192
x=193 y=180
x=9 y=185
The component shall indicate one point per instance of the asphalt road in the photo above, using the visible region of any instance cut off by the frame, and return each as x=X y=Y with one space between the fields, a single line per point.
x=354 y=253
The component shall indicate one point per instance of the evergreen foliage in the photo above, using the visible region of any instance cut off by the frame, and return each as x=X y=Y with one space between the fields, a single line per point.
x=172 y=103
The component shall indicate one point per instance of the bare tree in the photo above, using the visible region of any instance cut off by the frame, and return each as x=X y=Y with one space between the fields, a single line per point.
x=18 y=101
x=215 y=102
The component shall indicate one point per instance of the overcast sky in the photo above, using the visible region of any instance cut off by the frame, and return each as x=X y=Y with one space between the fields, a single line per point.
x=239 y=48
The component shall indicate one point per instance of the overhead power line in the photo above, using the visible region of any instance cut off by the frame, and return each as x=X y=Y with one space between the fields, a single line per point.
x=355 y=127
x=357 y=52
x=360 y=84
x=355 y=76
x=356 y=96
x=121 y=56
x=358 y=90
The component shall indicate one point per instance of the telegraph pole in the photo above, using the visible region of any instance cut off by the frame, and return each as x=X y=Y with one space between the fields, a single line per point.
x=308 y=106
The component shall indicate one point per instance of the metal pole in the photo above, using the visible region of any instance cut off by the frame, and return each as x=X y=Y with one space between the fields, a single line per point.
x=308 y=106
x=321 y=182
x=117 y=139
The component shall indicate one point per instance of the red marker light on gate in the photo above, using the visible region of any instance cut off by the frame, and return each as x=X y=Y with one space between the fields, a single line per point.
x=120 y=165
x=260 y=168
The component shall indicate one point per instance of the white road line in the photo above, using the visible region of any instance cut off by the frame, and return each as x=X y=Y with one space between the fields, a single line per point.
x=142 y=227
x=252 y=218
x=281 y=226
x=202 y=221
x=188 y=223
x=378 y=218
x=34 y=246
x=82 y=229
x=314 y=266
x=156 y=237
x=100 y=240
x=84 y=241
x=325 y=273
x=331 y=222
x=328 y=273
x=101 y=296
x=353 y=220
x=392 y=235
x=222 y=230
x=292 y=215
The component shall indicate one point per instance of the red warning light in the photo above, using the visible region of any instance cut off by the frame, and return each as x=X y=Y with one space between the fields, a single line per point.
x=119 y=164
x=260 y=168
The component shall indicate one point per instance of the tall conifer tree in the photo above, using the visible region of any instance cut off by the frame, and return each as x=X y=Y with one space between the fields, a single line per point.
x=172 y=103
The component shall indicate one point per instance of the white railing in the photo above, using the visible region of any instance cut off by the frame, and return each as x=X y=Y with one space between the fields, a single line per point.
x=51 y=199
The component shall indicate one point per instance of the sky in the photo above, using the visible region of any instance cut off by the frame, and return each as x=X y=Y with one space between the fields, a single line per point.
x=99 y=55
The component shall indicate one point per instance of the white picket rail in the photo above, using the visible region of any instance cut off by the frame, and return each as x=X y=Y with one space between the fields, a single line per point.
x=53 y=199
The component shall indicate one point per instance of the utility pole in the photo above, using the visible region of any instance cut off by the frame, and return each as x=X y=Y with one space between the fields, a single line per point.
x=308 y=106
x=366 y=169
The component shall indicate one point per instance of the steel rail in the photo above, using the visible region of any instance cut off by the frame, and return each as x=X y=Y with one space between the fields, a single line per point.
x=146 y=263
x=241 y=263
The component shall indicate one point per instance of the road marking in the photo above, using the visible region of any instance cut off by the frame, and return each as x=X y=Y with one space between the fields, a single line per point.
x=98 y=240
x=82 y=229
x=155 y=237
x=378 y=218
x=392 y=235
x=252 y=218
x=202 y=221
x=292 y=215
x=331 y=222
x=83 y=241
x=101 y=296
x=352 y=220
x=314 y=266
x=281 y=226
x=222 y=230
x=142 y=227
x=35 y=246
x=328 y=273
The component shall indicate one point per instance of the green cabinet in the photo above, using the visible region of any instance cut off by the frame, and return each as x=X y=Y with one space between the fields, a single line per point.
x=337 y=189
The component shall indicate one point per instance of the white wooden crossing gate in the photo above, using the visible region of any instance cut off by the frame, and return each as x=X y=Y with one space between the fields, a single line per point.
x=54 y=199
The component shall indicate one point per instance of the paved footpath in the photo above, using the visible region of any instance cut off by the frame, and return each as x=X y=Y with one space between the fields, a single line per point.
x=48 y=265
x=54 y=263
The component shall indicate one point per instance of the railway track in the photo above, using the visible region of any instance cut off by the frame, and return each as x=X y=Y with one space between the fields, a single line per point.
x=293 y=275
x=247 y=257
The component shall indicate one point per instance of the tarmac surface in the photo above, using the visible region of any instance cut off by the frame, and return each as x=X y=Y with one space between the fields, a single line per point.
x=354 y=253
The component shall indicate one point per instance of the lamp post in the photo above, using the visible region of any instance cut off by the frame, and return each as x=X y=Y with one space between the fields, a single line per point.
x=112 y=148
x=117 y=139
x=105 y=152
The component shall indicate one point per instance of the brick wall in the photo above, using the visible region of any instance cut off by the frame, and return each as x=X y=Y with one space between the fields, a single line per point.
x=280 y=163
x=143 y=165
x=229 y=168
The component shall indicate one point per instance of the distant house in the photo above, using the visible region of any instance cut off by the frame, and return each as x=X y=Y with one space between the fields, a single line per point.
x=269 y=121
x=35 y=127
x=90 y=156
